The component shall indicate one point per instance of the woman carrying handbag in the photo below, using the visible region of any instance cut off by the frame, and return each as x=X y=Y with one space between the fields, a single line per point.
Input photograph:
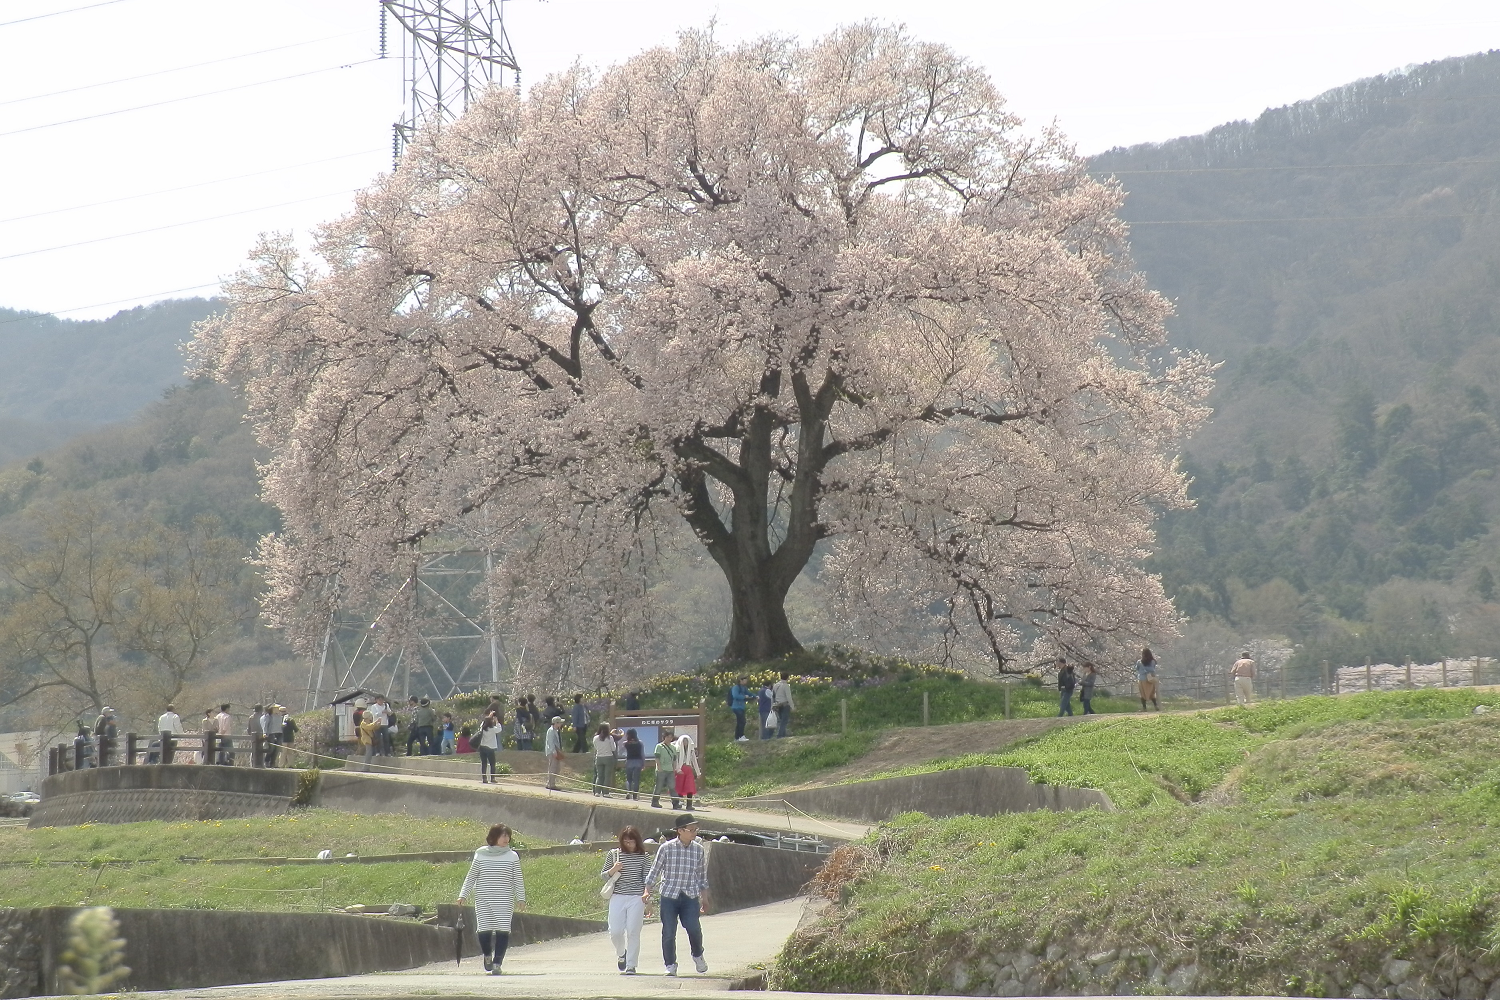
x=624 y=876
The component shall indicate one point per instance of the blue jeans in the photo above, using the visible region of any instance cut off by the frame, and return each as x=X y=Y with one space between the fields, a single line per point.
x=685 y=909
x=447 y=747
x=783 y=719
x=1065 y=703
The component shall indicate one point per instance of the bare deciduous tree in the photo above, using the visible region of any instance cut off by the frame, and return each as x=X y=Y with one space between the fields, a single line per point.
x=788 y=296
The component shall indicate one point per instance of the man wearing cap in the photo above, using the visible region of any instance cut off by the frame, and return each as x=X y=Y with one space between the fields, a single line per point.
x=681 y=871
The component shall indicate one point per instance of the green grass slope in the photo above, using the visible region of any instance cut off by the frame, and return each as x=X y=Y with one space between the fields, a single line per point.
x=562 y=885
x=1290 y=848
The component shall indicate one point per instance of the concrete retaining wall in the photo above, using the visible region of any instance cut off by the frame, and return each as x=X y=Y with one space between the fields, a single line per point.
x=741 y=876
x=966 y=791
x=169 y=792
x=525 y=928
x=189 y=949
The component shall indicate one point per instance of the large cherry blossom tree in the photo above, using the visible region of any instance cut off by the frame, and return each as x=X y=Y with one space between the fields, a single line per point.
x=821 y=298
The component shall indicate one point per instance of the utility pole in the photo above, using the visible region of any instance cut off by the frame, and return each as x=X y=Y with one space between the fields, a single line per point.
x=452 y=51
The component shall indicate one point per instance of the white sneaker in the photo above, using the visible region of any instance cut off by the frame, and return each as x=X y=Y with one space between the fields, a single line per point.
x=701 y=963
x=742 y=739
x=671 y=970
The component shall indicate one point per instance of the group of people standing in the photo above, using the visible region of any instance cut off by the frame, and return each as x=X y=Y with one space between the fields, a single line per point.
x=97 y=745
x=1068 y=680
x=774 y=703
x=677 y=874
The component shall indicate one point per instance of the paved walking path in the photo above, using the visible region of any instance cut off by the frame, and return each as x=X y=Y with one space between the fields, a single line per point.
x=768 y=816
x=736 y=944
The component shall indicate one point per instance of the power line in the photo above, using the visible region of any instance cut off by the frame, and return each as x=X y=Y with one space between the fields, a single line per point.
x=188 y=187
x=190 y=97
x=1310 y=166
x=55 y=13
x=175 y=225
x=177 y=69
x=112 y=302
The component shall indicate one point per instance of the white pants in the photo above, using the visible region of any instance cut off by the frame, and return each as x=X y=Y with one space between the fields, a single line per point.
x=1244 y=691
x=627 y=912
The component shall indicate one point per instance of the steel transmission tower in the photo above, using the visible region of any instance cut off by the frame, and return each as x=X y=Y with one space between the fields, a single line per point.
x=453 y=50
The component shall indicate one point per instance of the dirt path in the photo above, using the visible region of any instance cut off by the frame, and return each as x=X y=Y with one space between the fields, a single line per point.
x=904 y=747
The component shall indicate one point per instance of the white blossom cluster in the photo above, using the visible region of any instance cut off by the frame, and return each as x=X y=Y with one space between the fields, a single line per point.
x=789 y=297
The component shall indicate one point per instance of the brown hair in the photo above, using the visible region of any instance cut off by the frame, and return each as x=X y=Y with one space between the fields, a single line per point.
x=631 y=833
x=496 y=832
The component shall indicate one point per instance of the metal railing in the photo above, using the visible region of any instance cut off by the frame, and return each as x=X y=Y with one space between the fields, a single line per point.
x=1213 y=684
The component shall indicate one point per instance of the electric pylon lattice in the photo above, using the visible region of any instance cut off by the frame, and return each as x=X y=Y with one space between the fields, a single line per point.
x=452 y=50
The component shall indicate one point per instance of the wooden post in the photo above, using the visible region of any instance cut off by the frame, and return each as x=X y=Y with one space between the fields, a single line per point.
x=51 y=761
x=258 y=750
x=1445 y=671
x=1007 y=697
x=843 y=716
x=1476 y=671
x=1368 y=685
x=926 y=716
x=1281 y=675
x=168 y=747
x=1326 y=688
x=78 y=756
x=209 y=739
x=130 y=744
x=1408 y=673
x=1228 y=690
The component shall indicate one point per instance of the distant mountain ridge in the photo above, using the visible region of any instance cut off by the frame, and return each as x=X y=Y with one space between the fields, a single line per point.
x=1342 y=255
x=92 y=372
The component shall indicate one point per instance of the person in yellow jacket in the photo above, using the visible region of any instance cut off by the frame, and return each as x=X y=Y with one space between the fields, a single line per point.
x=369 y=726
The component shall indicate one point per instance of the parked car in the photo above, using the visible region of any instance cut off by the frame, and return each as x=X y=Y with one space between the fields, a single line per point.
x=31 y=797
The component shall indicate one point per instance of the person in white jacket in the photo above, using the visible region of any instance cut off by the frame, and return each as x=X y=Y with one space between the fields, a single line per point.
x=169 y=726
x=688 y=769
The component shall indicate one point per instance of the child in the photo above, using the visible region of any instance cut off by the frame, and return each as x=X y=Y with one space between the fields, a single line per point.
x=464 y=744
x=446 y=734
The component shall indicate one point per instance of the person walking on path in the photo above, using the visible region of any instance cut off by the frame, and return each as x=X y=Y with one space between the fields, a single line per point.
x=1243 y=673
x=666 y=770
x=495 y=884
x=1067 y=679
x=739 y=693
x=489 y=745
x=605 y=750
x=169 y=726
x=1145 y=675
x=767 y=723
x=552 y=746
x=580 y=723
x=687 y=771
x=635 y=762
x=627 y=865
x=680 y=874
x=1086 y=688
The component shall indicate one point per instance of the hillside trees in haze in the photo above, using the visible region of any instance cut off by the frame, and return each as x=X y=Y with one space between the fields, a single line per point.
x=1342 y=255
x=786 y=297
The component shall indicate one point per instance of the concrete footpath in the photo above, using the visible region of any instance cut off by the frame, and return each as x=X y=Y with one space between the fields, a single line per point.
x=340 y=792
x=737 y=945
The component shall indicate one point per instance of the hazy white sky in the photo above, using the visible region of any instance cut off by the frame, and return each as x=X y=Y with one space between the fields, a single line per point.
x=123 y=208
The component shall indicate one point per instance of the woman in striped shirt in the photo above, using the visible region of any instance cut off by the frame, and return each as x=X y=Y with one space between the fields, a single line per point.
x=495 y=884
x=628 y=865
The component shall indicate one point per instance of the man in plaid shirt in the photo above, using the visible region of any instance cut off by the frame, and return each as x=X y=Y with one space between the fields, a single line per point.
x=681 y=869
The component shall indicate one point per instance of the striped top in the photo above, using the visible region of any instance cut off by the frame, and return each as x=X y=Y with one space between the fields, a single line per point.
x=633 y=867
x=495 y=885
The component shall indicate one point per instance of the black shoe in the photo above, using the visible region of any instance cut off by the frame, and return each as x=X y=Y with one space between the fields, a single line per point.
x=621 y=963
x=488 y=965
x=656 y=803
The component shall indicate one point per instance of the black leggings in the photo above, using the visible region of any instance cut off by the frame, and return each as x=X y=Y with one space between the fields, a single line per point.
x=494 y=942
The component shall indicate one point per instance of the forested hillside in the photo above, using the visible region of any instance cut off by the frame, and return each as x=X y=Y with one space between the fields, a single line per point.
x=61 y=377
x=1341 y=256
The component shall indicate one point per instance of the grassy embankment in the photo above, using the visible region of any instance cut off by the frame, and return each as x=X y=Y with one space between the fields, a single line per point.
x=1289 y=846
x=557 y=884
x=879 y=696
